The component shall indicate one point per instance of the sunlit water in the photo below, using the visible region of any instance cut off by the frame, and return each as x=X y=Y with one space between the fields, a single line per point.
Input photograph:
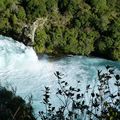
x=21 y=68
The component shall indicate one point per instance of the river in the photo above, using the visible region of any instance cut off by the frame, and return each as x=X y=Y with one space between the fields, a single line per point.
x=21 y=68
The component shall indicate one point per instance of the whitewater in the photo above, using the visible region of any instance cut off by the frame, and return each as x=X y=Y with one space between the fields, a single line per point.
x=29 y=73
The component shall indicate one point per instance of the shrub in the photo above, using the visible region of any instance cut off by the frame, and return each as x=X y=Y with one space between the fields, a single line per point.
x=13 y=107
x=104 y=103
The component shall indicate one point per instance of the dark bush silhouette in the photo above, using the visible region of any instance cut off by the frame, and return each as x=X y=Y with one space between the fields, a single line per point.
x=13 y=107
x=103 y=103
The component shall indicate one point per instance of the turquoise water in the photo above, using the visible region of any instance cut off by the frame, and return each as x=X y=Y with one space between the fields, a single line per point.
x=20 y=68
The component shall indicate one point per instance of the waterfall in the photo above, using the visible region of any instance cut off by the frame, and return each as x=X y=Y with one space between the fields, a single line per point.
x=21 y=68
x=13 y=53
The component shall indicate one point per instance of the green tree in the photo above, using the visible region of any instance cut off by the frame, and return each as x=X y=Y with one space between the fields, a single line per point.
x=51 y=5
x=99 y=5
x=40 y=41
x=21 y=15
x=70 y=37
x=35 y=8
x=86 y=42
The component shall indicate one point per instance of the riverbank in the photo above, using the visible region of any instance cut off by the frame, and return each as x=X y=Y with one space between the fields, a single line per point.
x=60 y=54
x=62 y=27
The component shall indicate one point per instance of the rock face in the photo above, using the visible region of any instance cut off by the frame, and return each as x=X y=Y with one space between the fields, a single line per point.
x=25 y=35
x=28 y=32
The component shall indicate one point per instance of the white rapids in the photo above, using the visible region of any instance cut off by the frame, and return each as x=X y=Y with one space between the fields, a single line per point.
x=21 y=68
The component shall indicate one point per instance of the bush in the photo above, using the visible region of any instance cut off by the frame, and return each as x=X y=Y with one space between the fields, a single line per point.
x=13 y=107
x=104 y=103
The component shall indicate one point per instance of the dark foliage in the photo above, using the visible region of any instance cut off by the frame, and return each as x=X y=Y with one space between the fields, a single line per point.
x=73 y=27
x=103 y=103
x=13 y=107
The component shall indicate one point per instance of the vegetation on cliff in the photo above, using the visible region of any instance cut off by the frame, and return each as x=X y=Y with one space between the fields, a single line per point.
x=72 y=26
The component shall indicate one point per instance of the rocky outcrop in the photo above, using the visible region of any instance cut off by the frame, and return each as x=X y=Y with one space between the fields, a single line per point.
x=28 y=32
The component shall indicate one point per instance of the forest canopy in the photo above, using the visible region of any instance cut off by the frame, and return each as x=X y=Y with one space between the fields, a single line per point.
x=85 y=27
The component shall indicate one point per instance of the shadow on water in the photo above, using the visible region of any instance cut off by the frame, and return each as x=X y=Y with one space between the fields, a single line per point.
x=52 y=57
x=92 y=61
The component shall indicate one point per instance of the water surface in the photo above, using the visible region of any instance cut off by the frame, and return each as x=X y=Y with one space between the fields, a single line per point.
x=21 y=68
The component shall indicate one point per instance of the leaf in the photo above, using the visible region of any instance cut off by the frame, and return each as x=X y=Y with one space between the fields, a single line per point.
x=97 y=95
x=87 y=87
x=66 y=83
x=49 y=104
x=71 y=88
x=78 y=90
x=108 y=77
x=46 y=96
x=83 y=102
x=113 y=96
x=58 y=74
x=70 y=113
x=108 y=66
x=117 y=77
x=106 y=92
x=78 y=96
x=53 y=108
x=62 y=81
x=92 y=94
x=78 y=81
x=47 y=88
x=111 y=71
x=106 y=104
x=59 y=92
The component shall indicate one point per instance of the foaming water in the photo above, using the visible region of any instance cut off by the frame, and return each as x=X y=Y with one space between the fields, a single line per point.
x=21 y=68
